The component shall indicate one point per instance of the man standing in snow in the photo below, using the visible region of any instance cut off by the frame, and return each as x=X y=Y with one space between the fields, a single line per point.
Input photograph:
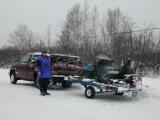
x=44 y=70
x=126 y=69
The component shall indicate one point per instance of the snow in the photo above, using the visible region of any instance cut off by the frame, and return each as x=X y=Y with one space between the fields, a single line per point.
x=23 y=102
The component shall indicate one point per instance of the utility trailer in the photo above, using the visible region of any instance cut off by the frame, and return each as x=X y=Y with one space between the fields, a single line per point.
x=117 y=86
x=104 y=76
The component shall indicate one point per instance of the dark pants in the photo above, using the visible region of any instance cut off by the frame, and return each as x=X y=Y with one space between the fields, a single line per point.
x=43 y=84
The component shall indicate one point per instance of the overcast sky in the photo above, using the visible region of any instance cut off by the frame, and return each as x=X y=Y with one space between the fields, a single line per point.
x=38 y=14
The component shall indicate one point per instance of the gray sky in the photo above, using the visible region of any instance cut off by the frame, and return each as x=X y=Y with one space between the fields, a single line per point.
x=38 y=14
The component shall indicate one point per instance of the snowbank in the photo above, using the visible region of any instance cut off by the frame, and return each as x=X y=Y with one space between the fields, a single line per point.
x=23 y=102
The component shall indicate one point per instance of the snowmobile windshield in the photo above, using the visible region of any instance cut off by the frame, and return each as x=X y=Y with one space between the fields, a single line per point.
x=106 y=70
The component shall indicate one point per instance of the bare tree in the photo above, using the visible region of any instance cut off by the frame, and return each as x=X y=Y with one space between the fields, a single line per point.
x=114 y=23
x=84 y=34
x=48 y=36
x=22 y=38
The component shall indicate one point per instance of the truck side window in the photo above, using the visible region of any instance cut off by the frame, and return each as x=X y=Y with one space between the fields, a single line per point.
x=34 y=58
x=25 y=59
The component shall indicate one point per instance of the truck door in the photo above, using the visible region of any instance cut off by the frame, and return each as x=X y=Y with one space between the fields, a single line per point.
x=22 y=66
x=31 y=67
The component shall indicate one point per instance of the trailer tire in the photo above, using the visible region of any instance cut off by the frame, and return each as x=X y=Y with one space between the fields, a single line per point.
x=89 y=92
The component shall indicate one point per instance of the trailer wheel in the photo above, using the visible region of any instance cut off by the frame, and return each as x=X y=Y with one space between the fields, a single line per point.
x=89 y=92
x=119 y=93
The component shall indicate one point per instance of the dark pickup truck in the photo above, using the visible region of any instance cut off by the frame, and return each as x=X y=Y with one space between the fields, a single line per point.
x=65 y=68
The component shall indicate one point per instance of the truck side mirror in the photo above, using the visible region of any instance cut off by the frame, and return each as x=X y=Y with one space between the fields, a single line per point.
x=33 y=61
x=31 y=64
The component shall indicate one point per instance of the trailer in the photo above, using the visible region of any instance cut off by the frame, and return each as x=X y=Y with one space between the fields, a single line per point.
x=107 y=76
x=117 y=86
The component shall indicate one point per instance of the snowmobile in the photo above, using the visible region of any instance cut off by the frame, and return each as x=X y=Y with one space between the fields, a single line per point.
x=105 y=76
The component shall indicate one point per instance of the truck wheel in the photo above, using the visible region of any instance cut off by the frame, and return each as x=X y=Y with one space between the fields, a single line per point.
x=90 y=92
x=36 y=81
x=13 y=78
x=119 y=93
x=64 y=84
x=69 y=84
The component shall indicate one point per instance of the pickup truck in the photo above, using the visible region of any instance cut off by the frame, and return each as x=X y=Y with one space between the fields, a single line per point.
x=65 y=68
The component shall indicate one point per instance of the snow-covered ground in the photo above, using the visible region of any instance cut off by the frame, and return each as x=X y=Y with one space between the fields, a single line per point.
x=23 y=102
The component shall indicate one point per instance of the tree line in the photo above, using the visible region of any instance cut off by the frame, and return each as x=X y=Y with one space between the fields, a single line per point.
x=86 y=34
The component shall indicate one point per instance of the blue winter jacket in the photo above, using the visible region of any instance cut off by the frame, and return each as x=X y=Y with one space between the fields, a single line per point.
x=44 y=66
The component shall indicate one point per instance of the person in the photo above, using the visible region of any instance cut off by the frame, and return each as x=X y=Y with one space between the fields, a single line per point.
x=44 y=70
x=126 y=69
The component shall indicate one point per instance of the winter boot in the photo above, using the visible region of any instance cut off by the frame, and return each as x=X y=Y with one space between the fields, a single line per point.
x=46 y=93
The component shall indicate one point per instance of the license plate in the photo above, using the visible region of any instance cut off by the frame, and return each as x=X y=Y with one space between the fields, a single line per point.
x=112 y=72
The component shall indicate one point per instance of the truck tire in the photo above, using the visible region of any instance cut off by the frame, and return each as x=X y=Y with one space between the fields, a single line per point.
x=36 y=83
x=90 y=92
x=13 y=78
x=64 y=84
x=67 y=84
x=36 y=80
